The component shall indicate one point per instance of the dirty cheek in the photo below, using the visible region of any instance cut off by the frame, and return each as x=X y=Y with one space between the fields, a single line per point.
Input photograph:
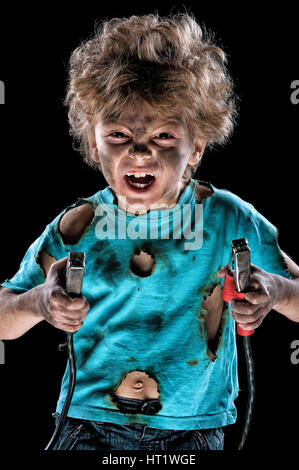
x=108 y=167
x=174 y=159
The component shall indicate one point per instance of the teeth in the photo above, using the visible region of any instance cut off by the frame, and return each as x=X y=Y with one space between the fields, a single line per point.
x=139 y=185
x=139 y=174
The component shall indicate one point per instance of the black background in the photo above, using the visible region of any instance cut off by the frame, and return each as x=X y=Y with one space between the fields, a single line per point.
x=41 y=174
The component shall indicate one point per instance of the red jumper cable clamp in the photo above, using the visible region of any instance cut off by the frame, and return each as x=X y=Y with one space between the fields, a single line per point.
x=236 y=284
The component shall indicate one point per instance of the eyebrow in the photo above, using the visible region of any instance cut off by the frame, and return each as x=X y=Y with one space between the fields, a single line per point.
x=174 y=121
x=148 y=119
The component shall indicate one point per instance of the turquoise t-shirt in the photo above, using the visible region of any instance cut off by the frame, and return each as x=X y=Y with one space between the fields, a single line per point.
x=155 y=323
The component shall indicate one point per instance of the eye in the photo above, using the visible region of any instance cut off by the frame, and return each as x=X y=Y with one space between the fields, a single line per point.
x=118 y=134
x=164 y=136
x=117 y=137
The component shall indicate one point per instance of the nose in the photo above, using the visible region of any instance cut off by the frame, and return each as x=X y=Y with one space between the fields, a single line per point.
x=140 y=157
x=139 y=152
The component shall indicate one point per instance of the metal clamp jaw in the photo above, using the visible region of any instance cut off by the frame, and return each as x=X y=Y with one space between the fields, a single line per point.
x=240 y=260
x=74 y=273
x=237 y=277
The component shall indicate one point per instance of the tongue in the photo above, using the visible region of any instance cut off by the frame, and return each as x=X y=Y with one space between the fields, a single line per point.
x=142 y=180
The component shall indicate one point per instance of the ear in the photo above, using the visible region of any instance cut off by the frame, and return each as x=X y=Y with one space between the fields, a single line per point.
x=93 y=146
x=197 y=153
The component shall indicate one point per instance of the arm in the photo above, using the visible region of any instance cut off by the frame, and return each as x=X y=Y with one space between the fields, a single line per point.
x=48 y=301
x=269 y=291
x=20 y=312
x=17 y=312
x=289 y=302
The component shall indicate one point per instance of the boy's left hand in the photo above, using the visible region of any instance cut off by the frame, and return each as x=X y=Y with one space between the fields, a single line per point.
x=250 y=312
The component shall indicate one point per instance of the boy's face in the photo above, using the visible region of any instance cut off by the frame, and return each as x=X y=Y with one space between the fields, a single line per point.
x=140 y=144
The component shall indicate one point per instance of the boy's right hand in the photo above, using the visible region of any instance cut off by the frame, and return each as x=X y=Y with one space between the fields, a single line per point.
x=55 y=306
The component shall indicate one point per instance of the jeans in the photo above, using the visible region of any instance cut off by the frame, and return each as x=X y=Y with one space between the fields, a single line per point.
x=79 y=434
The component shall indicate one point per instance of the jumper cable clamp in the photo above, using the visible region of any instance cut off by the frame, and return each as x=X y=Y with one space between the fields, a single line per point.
x=74 y=273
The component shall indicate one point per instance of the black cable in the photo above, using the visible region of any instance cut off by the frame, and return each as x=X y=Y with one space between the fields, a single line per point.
x=251 y=389
x=72 y=382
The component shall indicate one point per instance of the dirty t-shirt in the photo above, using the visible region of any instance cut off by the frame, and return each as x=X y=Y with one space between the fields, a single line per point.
x=155 y=323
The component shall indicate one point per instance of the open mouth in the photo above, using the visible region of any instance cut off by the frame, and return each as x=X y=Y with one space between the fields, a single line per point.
x=140 y=180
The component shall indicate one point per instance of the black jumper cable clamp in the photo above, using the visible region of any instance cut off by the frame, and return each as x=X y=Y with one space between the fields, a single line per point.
x=236 y=284
x=74 y=273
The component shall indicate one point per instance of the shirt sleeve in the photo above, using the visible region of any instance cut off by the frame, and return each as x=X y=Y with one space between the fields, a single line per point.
x=30 y=274
x=262 y=238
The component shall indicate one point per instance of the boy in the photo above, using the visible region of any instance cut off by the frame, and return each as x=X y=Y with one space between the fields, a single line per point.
x=154 y=342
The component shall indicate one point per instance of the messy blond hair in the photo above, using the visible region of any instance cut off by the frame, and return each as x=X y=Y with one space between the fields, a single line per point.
x=150 y=61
